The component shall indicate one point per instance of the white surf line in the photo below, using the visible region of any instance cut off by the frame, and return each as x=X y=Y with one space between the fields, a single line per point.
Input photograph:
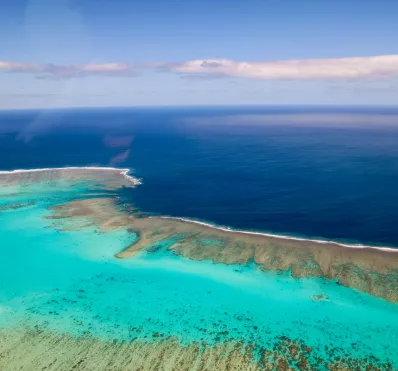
x=123 y=172
x=226 y=229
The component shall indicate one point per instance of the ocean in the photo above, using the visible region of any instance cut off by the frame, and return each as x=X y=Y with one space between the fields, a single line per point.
x=313 y=173
x=328 y=173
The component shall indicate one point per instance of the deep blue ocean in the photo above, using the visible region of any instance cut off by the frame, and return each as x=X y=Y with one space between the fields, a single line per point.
x=316 y=172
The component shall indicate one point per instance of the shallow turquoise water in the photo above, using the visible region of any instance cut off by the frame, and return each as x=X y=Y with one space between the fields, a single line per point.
x=71 y=282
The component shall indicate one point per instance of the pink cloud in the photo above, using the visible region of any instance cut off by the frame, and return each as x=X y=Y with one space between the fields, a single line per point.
x=383 y=66
x=305 y=69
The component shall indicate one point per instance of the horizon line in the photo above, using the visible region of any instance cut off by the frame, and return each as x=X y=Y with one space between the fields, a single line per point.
x=186 y=106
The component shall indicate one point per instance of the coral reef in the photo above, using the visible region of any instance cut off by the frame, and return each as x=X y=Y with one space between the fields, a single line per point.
x=41 y=350
x=371 y=270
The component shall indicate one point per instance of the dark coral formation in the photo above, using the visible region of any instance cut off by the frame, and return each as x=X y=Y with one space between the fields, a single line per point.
x=17 y=205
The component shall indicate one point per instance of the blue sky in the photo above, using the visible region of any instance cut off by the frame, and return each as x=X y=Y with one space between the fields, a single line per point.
x=61 y=53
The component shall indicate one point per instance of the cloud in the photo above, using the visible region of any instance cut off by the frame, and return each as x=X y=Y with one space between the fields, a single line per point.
x=202 y=77
x=52 y=71
x=48 y=95
x=306 y=69
x=376 y=67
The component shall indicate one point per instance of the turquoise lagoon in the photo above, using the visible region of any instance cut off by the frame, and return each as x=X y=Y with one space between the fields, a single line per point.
x=70 y=282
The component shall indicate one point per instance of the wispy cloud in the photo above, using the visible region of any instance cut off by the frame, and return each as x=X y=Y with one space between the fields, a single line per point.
x=53 y=71
x=376 y=67
x=304 y=69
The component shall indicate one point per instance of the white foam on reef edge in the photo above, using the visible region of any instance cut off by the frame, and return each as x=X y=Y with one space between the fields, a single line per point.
x=123 y=172
x=227 y=229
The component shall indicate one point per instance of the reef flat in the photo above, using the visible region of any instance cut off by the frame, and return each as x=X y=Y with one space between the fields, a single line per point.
x=89 y=282
x=39 y=350
x=111 y=178
x=371 y=270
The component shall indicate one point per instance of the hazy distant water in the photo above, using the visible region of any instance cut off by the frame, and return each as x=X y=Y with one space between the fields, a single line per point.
x=328 y=173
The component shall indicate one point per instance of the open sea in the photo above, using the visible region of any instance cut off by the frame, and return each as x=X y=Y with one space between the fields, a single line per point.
x=328 y=173
x=312 y=172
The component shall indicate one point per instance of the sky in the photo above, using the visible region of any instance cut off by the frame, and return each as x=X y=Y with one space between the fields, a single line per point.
x=89 y=53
